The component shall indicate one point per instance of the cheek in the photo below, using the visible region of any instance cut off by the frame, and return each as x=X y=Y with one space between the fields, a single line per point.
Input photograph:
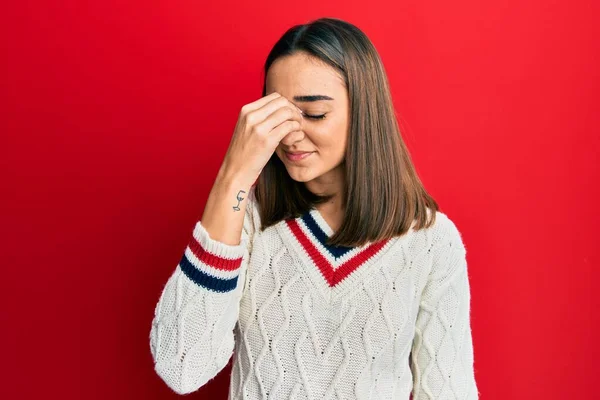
x=331 y=136
x=328 y=133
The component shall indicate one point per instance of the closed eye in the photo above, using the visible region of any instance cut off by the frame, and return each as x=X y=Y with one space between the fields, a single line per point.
x=322 y=116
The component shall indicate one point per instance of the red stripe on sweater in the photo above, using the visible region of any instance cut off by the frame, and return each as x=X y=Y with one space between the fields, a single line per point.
x=212 y=260
x=333 y=277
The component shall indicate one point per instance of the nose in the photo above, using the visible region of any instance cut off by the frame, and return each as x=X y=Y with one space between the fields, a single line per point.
x=292 y=138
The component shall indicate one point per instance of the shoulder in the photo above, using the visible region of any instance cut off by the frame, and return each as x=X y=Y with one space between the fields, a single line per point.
x=435 y=240
x=445 y=233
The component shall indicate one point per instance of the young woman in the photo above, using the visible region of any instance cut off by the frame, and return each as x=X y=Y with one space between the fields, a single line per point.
x=320 y=261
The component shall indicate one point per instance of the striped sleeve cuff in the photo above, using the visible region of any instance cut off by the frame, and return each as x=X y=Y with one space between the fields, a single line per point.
x=210 y=263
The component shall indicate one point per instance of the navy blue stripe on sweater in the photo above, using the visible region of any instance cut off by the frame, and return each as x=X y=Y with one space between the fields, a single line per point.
x=311 y=224
x=203 y=279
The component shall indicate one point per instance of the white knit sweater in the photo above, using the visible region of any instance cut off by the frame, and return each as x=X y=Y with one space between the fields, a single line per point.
x=308 y=321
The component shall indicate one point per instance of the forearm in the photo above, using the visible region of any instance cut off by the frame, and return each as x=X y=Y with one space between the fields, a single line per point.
x=191 y=337
x=223 y=215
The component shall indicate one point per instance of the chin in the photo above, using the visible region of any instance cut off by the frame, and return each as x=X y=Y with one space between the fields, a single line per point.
x=300 y=176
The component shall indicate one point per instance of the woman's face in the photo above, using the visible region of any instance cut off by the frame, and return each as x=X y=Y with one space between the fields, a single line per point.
x=318 y=90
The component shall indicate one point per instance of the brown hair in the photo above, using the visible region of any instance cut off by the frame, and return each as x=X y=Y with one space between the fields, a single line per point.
x=383 y=195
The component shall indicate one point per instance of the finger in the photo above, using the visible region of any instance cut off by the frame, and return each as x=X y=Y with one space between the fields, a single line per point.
x=278 y=117
x=271 y=107
x=284 y=129
x=255 y=105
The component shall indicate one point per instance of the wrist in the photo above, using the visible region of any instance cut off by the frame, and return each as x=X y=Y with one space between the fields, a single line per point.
x=234 y=181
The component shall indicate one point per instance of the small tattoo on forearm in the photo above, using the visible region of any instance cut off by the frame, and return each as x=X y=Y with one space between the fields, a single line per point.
x=239 y=198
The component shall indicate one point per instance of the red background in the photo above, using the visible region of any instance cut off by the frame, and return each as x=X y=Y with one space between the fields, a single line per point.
x=115 y=117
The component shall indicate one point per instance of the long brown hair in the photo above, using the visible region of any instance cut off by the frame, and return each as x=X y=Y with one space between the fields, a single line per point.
x=383 y=195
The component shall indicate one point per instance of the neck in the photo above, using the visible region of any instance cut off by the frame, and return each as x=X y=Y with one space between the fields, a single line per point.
x=330 y=183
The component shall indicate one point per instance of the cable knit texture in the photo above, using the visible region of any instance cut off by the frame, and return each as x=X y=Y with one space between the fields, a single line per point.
x=305 y=320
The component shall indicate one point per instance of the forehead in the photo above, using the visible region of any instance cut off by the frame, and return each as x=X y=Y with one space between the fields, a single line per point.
x=301 y=74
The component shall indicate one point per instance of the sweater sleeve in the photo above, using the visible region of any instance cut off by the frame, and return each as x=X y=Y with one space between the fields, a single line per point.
x=191 y=337
x=442 y=359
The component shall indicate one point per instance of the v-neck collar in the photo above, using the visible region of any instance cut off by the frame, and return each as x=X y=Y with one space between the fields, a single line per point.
x=317 y=225
x=332 y=268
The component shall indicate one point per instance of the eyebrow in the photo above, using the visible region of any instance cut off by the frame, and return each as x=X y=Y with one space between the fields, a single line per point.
x=316 y=97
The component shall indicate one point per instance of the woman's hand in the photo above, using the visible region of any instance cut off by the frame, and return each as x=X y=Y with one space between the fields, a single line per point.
x=260 y=127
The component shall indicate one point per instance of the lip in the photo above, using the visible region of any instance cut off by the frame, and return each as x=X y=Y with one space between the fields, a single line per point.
x=297 y=156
